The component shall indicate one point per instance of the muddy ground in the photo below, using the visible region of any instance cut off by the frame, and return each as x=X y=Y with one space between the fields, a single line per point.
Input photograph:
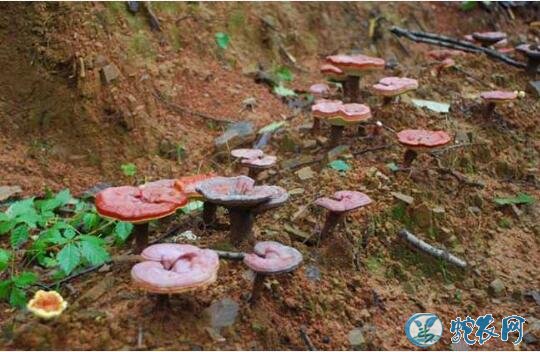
x=62 y=126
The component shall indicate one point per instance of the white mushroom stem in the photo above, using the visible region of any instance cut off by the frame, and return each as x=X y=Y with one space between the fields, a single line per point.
x=429 y=249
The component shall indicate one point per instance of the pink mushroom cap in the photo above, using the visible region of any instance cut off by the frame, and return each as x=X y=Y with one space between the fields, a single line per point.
x=489 y=37
x=392 y=86
x=234 y=191
x=344 y=201
x=319 y=89
x=350 y=114
x=498 y=96
x=175 y=268
x=264 y=162
x=333 y=72
x=356 y=64
x=246 y=153
x=273 y=258
x=325 y=108
x=529 y=50
x=423 y=138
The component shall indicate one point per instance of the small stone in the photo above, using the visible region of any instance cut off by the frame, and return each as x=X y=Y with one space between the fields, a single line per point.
x=356 y=338
x=222 y=313
x=296 y=191
x=236 y=134
x=534 y=87
x=305 y=173
x=313 y=273
x=214 y=335
x=249 y=103
x=475 y=210
x=292 y=163
x=462 y=137
x=109 y=73
x=322 y=140
x=309 y=143
x=7 y=192
x=497 y=288
x=403 y=197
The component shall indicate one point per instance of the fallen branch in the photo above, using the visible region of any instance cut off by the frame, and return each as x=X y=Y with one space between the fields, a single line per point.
x=429 y=249
x=154 y=21
x=448 y=42
x=183 y=110
x=230 y=255
x=305 y=337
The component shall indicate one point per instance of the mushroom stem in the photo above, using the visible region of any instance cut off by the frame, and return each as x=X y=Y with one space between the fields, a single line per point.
x=163 y=302
x=140 y=232
x=258 y=287
x=335 y=135
x=532 y=67
x=316 y=126
x=387 y=100
x=490 y=109
x=209 y=213
x=409 y=157
x=361 y=131
x=253 y=172
x=332 y=219
x=241 y=224
x=351 y=89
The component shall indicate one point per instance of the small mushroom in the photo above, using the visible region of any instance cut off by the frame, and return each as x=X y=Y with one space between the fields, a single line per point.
x=270 y=258
x=319 y=90
x=187 y=185
x=255 y=160
x=420 y=141
x=532 y=52
x=354 y=66
x=174 y=268
x=241 y=197
x=47 y=304
x=487 y=39
x=348 y=115
x=492 y=98
x=323 y=109
x=391 y=87
x=333 y=73
x=140 y=205
x=338 y=205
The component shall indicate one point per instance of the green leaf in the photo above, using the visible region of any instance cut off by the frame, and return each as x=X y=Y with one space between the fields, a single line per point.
x=5 y=287
x=19 y=236
x=69 y=233
x=192 y=206
x=48 y=205
x=47 y=262
x=24 y=279
x=68 y=258
x=4 y=259
x=122 y=230
x=6 y=226
x=274 y=126
x=90 y=221
x=94 y=239
x=20 y=207
x=284 y=74
x=222 y=40
x=52 y=235
x=129 y=169
x=4 y=217
x=17 y=298
x=283 y=91
x=392 y=167
x=468 y=5
x=93 y=253
x=432 y=105
x=521 y=198
x=339 y=165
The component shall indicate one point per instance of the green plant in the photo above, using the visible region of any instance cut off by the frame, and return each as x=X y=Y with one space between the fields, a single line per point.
x=284 y=74
x=505 y=223
x=13 y=289
x=521 y=198
x=222 y=40
x=129 y=169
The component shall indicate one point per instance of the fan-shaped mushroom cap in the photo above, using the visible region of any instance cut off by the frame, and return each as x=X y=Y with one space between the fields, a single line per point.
x=264 y=162
x=489 y=37
x=350 y=114
x=246 y=153
x=423 y=138
x=273 y=258
x=344 y=201
x=139 y=204
x=326 y=108
x=498 y=96
x=333 y=72
x=234 y=191
x=319 y=89
x=187 y=184
x=279 y=197
x=529 y=50
x=175 y=268
x=355 y=65
x=47 y=304
x=441 y=54
x=392 y=86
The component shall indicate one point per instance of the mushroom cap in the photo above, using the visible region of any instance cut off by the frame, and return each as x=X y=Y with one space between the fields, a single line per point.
x=354 y=65
x=139 y=204
x=319 y=89
x=271 y=257
x=392 y=86
x=264 y=162
x=47 y=304
x=498 y=96
x=234 y=191
x=279 y=197
x=489 y=37
x=423 y=138
x=187 y=184
x=326 y=108
x=175 y=268
x=441 y=54
x=333 y=72
x=246 y=153
x=529 y=50
x=344 y=201
x=350 y=114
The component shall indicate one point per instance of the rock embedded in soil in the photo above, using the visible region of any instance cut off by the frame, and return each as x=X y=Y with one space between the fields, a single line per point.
x=109 y=73
x=7 y=192
x=236 y=134
x=403 y=197
x=356 y=338
x=305 y=173
x=497 y=288
x=222 y=313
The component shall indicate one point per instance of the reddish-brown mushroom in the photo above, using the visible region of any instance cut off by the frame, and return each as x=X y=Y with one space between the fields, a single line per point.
x=391 y=87
x=333 y=73
x=338 y=205
x=319 y=90
x=175 y=268
x=493 y=98
x=348 y=115
x=487 y=39
x=270 y=258
x=420 y=141
x=532 y=52
x=140 y=205
x=323 y=109
x=354 y=66
x=254 y=159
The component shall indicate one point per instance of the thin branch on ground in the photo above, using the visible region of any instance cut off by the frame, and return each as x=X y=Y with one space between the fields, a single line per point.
x=305 y=337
